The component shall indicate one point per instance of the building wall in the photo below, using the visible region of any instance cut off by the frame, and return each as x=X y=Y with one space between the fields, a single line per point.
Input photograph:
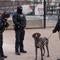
x=20 y=0
x=57 y=1
x=5 y=0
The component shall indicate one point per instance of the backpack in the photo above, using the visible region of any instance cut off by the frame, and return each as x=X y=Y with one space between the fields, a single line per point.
x=1 y=23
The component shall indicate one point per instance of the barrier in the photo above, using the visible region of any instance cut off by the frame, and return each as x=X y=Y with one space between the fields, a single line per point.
x=32 y=22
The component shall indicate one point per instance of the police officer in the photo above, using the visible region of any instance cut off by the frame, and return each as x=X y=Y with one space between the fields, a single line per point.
x=19 y=24
x=57 y=27
x=3 y=21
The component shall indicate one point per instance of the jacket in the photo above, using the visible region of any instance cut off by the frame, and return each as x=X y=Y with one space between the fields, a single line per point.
x=19 y=21
x=4 y=21
x=57 y=27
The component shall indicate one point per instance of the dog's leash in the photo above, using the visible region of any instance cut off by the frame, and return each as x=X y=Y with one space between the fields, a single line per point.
x=50 y=35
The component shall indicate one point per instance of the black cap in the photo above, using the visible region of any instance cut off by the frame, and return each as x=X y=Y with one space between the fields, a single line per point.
x=19 y=9
x=5 y=15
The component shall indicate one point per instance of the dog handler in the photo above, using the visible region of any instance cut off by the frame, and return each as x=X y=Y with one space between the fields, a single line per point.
x=57 y=27
x=3 y=25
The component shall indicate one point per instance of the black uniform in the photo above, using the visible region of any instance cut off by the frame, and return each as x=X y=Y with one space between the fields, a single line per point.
x=3 y=25
x=19 y=26
x=1 y=36
x=57 y=27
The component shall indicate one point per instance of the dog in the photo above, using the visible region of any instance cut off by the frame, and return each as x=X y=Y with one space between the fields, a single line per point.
x=40 y=42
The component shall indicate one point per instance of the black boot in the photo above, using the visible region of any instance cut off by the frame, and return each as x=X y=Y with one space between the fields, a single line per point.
x=4 y=56
x=17 y=53
x=23 y=51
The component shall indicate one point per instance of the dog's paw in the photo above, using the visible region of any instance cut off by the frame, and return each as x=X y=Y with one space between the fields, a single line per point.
x=47 y=55
x=41 y=58
x=43 y=54
x=35 y=58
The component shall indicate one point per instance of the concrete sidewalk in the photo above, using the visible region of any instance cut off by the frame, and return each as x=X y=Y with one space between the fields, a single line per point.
x=9 y=44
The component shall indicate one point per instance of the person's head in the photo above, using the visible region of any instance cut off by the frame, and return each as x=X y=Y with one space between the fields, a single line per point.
x=5 y=15
x=19 y=10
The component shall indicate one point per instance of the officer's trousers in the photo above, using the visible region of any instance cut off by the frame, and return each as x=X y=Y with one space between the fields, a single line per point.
x=1 y=45
x=19 y=40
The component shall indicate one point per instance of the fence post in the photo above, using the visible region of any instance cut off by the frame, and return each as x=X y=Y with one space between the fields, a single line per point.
x=44 y=14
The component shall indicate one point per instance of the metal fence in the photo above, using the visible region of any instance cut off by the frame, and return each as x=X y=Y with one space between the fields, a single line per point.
x=51 y=8
x=46 y=11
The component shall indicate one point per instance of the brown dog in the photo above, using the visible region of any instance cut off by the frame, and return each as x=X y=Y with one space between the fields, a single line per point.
x=40 y=43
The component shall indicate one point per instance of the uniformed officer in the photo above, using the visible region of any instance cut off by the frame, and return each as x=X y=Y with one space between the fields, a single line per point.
x=3 y=25
x=19 y=24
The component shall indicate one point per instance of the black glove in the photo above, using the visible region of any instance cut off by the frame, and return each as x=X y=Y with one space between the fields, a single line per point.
x=53 y=31
x=7 y=24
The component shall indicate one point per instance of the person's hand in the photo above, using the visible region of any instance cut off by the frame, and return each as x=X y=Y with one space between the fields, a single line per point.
x=53 y=31
x=6 y=24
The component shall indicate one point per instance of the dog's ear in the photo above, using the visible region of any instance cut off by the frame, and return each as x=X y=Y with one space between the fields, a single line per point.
x=38 y=34
x=33 y=35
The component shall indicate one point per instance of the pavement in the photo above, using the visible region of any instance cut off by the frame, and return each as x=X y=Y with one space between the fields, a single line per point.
x=9 y=45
